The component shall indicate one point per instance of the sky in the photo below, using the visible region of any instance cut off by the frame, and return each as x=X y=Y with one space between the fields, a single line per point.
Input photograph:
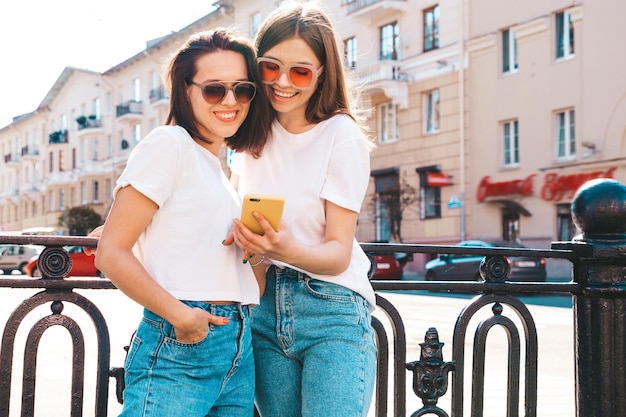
x=39 y=38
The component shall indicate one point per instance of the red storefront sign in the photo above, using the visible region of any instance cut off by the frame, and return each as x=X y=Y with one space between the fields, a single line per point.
x=555 y=186
x=437 y=179
x=487 y=188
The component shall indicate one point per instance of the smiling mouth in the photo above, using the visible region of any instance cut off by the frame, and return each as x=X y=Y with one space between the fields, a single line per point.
x=282 y=94
x=226 y=116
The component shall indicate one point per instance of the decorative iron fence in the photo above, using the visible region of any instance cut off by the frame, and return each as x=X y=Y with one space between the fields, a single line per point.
x=598 y=290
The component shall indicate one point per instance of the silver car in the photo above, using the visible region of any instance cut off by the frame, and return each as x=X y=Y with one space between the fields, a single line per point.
x=16 y=257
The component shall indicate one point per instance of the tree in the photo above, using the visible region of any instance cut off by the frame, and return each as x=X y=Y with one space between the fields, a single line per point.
x=392 y=203
x=79 y=221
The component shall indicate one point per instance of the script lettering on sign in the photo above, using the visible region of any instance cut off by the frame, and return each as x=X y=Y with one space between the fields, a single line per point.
x=487 y=188
x=556 y=186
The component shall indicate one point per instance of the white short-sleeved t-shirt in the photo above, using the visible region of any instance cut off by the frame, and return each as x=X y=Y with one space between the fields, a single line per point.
x=181 y=248
x=329 y=162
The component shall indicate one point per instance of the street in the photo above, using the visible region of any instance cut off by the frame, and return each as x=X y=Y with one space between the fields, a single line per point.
x=419 y=312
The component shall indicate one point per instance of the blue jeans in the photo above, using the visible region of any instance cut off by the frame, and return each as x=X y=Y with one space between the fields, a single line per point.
x=314 y=348
x=213 y=377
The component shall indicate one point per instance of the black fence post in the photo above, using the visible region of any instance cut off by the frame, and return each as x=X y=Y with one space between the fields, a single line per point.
x=599 y=211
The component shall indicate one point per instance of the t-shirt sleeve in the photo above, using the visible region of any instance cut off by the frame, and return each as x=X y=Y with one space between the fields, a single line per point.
x=348 y=173
x=151 y=167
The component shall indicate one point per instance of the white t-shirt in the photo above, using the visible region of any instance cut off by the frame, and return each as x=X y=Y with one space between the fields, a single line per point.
x=329 y=162
x=182 y=246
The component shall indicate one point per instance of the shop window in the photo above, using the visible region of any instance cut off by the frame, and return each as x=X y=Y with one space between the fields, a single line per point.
x=510 y=226
x=430 y=203
x=387 y=204
x=565 y=227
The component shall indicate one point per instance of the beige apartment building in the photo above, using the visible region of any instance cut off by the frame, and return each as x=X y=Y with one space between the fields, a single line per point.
x=488 y=116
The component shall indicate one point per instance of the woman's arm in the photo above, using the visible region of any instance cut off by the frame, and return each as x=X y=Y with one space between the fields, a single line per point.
x=130 y=214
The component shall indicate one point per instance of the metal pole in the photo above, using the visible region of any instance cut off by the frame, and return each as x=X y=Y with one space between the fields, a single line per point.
x=599 y=210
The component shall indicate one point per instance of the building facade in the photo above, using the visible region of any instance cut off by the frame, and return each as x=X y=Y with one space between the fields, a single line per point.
x=487 y=117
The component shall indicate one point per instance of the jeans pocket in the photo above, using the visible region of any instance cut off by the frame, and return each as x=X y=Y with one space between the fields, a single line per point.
x=328 y=290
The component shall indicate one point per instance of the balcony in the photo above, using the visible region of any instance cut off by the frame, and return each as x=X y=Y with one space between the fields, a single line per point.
x=88 y=122
x=131 y=110
x=30 y=152
x=60 y=136
x=90 y=125
x=370 y=9
x=385 y=77
x=11 y=158
x=159 y=97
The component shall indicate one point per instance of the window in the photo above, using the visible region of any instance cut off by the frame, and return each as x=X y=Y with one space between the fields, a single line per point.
x=109 y=146
x=564 y=31
x=94 y=150
x=431 y=110
x=388 y=122
x=137 y=133
x=61 y=161
x=565 y=227
x=565 y=134
x=96 y=192
x=255 y=23
x=50 y=200
x=388 y=213
x=350 y=52
x=83 y=193
x=431 y=28
x=137 y=89
x=509 y=51
x=510 y=143
x=389 y=42
x=430 y=203
x=61 y=200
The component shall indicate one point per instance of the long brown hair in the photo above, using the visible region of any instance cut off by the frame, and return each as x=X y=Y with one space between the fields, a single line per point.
x=309 y=22
x=182 y=68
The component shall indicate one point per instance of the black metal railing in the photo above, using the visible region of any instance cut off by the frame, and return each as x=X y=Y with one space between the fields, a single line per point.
x=597 y=288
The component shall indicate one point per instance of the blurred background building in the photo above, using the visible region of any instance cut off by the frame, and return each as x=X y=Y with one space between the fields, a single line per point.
x=487 y=115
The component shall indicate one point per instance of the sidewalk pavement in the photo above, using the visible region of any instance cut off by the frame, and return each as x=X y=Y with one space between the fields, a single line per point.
x=419 y=312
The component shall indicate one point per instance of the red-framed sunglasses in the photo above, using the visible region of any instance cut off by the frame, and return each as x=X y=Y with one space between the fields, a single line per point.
x=299 y=75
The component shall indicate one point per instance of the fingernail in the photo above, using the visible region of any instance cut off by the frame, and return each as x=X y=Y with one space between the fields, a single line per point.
x=245 y=261
x=223 y=241
x=224 y=320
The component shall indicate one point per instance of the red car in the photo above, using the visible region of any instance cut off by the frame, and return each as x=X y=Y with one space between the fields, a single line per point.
x=82 y=264
x=390 y=265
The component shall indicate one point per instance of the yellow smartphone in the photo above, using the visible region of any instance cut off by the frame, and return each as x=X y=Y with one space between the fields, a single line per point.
x=270 y=206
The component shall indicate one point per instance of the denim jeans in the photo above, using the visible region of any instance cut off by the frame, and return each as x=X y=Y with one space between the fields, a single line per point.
x=213 y=377
x=314 y=348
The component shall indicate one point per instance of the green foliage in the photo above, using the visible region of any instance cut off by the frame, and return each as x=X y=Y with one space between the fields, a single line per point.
x=79 y=221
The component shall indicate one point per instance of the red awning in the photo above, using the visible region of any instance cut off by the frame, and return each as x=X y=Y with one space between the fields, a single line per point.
x=438 y=179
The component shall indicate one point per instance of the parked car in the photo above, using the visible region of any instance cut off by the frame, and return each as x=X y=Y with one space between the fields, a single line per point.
x=82 y=264
x=451 y=267
x=390 y=265
x=16 y=257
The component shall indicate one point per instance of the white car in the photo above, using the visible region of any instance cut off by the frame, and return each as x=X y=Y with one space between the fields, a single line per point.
x=16 y=257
